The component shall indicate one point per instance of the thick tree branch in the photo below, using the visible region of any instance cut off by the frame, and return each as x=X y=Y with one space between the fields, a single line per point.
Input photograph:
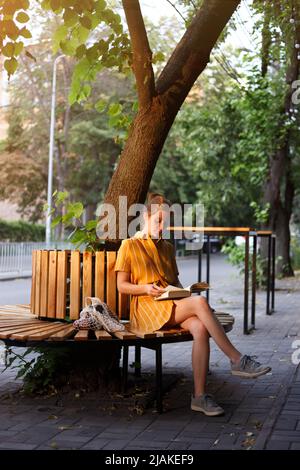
x=142 y=54
x=191 y=55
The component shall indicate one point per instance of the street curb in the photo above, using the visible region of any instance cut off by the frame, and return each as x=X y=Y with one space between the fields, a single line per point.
x=14 y=277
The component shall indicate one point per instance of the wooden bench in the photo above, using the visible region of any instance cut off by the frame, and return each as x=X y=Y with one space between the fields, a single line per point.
x=60 y=282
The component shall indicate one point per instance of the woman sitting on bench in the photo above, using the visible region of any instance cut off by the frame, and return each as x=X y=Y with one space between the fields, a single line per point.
x=146 y=264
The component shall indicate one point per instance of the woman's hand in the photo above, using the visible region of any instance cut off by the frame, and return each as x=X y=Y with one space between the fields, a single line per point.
x=153 y=290
x=126 y=287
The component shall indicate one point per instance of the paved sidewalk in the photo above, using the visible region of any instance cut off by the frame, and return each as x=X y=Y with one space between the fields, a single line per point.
x=262 y=413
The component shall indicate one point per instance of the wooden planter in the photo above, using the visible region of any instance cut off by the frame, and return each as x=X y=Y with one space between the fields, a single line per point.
x=62 y=279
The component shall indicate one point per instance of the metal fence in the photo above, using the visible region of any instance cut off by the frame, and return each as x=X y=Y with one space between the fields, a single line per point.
x=15 y=258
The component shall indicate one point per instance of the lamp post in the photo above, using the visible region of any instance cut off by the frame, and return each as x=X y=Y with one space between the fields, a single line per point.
x=51 y=151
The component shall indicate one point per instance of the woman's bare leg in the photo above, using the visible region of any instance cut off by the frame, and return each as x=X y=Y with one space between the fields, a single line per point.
x=198 y=306
x=200 y=352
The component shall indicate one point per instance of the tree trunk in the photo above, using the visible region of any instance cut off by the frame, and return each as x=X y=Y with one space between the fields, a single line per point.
x=281 y=204
x=279 y=170
x=283 y=264
x=90 y=210
x=283 y=226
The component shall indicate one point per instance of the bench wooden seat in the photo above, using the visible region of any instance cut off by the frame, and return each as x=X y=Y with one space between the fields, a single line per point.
x=18 y=324
x=60 y=282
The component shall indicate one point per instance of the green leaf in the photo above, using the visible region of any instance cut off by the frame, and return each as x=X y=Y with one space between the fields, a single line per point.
x=80 y=51
x=11 y=29
x=70 y=17
x=114 y=121
x=158 y=57
x=22 y=17
x=85 y=92
x=25 y=33
x=118 y=28
x=95 y=21
x=86 y=22
x=75 y=209
x=81 y=33
x=78 y=237
x=91 y=224
x=8 y=49
x=61 y=196
x=67 y=218
x=8 y=8
x=19 y=47
x=93 y=53
x=135 y=106
x=100 y=5
x=56 y=221
x=59 y=35
x=11 y=65
x=68 y=47
x=115 y=109
x=102 y=46
x=101 y=105
x=78 y=209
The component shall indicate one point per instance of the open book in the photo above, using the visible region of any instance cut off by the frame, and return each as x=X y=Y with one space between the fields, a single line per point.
x=173 y=292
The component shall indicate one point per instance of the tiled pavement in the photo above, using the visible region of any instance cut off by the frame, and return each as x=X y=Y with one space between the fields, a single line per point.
x=260 y=414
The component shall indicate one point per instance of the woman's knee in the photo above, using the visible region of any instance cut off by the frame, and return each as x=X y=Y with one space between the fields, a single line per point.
x=198 y=329
x=200 y=303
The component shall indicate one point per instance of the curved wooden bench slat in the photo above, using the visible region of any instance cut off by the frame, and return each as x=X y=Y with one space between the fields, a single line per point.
x=23 y=327
x=65 y=333
x=82 y=335
x=102 y=335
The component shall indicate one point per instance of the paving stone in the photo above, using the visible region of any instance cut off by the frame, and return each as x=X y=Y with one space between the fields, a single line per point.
x=178 y=445
x=201 y=444
x=16 y=446
x=95 y=444
x=295 y=446
x=141 y=444
x=116 y=444
x=277 y=445
x=286 y=424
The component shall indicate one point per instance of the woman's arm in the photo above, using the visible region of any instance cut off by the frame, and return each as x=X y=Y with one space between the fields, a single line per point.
x=126 y=287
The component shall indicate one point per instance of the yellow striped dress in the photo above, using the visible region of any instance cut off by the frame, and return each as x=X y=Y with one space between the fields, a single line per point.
x=147 y=262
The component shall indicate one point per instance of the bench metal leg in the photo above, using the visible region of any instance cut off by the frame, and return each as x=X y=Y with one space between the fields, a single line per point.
x=273 y=272
x=137 y=360
x=253 y=301
x=158 y=353
x=246 y=285
x=125 y=369
x=207 y=265
x=269 y=280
